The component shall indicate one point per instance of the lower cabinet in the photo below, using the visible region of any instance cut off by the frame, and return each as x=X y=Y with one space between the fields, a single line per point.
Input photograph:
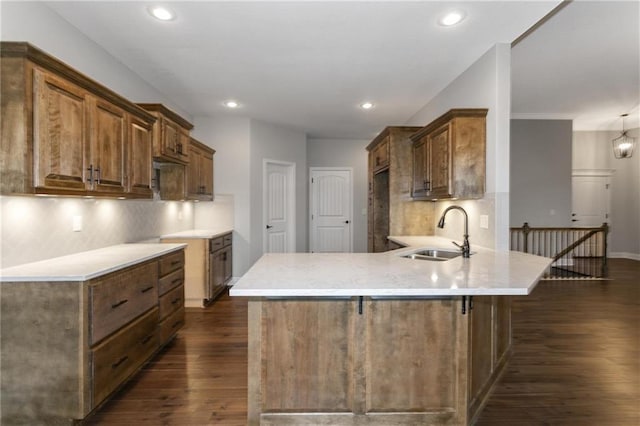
x=208 y=267
x=67 y=346
x=388 y=362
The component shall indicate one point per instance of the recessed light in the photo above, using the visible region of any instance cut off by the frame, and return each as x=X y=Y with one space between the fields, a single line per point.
x=451 y=18
x=162 y=13
x=231 y=104
x=366 y=105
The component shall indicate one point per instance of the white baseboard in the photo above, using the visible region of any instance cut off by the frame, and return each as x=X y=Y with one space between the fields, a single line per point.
x=624 y=255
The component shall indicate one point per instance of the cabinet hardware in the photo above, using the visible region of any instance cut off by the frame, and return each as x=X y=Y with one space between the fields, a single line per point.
x=269 y=226
x=464 y=305
x=144 y=290
x=360 y=300
x=146 y=339
x=90 y=173
x=177 y=280
x=120 y=303
x=97 y=169
x=120 y=361
x=176 y=300
x=175 y=262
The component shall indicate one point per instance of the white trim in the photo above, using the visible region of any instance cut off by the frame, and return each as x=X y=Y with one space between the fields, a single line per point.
x=624 y=255
x=351 y=217
x=592 y=172
x=291 y=207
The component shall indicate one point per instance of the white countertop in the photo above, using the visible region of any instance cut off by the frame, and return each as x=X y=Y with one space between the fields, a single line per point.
x=199 y=233
x=86 y=265
x=486 y=272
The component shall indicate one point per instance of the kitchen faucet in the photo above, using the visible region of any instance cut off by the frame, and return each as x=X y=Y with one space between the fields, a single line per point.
x=466 y=249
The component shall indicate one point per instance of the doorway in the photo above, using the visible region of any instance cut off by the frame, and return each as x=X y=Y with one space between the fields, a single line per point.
x=279 y=206
x=331 y=210
x=590 y=200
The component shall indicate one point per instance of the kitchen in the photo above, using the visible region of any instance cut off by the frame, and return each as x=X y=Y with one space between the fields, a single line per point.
x=236 y=139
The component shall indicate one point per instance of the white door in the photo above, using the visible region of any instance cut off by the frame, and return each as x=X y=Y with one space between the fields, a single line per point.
x=331 y=210
x=279 y=206
x=590 y=201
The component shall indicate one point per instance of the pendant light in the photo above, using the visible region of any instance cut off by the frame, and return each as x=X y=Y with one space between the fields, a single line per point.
x=624 y=144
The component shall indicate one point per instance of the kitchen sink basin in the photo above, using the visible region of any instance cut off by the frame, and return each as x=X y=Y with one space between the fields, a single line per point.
x=433 y=254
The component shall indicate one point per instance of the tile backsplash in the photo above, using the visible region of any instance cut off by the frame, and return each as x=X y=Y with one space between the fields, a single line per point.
x=37 y=228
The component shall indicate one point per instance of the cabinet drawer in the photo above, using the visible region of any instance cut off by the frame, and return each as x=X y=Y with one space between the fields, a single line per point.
x=216 y=244
x=118 y=298
x=170 y=326
x=171 y=262
x=228 y=239
x=171 y=301
x=120 y=356
x=170 y=281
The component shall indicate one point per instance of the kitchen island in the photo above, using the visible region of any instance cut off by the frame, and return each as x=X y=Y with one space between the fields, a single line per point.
x=380 y=339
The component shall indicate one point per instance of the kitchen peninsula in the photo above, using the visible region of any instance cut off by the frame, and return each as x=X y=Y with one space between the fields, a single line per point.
x=380 y=338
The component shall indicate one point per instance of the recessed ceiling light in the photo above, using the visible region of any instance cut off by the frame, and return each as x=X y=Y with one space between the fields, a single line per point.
x=451 y=18
x=366 y=105
x=231 y=104
x=162 y=13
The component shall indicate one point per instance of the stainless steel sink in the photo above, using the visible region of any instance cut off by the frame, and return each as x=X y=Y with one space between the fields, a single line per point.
x=433 y=254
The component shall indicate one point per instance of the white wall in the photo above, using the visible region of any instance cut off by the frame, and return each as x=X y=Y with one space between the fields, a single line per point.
x=592 y=150
x=273 y=142
x=37 y=228
x=346 y=153
x=485 y=84
x=541 y=173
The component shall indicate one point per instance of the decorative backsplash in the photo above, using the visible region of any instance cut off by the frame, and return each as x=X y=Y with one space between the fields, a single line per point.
x=37 y=228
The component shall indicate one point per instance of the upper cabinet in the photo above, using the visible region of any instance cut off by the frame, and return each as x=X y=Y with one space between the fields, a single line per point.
x=170 y=135
x=199 y=179
x=449 y=156
x=64 y=134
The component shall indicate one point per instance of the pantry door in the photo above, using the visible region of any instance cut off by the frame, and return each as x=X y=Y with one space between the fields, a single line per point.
x=331 y=208
x=279 y=207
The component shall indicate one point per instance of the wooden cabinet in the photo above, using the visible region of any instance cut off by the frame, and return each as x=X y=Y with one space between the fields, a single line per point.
x=68 y=345
x=199 y=178
x=170 y=135
x=139 y=182
x=390 y=209
x=392 y=361
x=171 y=181
x=208 y=267
x=64 y=134
x=449 y=156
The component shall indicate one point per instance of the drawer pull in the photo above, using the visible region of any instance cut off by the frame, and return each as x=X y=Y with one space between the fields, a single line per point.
x=146 y=339
x=176 y=300
x=122 y=302
x=177 y=280
x=175 y=324
x=144 y=290
x=120 y=361
x=175 y=262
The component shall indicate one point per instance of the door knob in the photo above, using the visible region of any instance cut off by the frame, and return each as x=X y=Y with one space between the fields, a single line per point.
x=346 y=221
x=269 y=226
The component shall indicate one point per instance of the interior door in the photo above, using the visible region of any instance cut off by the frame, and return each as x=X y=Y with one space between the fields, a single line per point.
x=279 y=207
x=331 y=211
x=590 y=201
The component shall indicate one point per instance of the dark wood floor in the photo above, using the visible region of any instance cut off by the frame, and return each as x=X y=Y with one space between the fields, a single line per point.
x=576 y=361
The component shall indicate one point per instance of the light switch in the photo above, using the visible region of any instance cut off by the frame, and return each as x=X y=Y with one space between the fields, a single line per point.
x=77 y=224
x=484 y=221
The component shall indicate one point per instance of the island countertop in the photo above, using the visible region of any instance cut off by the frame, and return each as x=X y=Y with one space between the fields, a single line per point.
x=486 y=272
x=87 y=265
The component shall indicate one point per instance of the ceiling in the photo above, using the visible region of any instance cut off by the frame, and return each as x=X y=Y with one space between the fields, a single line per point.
x=308 y=65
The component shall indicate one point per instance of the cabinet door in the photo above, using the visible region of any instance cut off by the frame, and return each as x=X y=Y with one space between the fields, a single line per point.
x=420 y=185
x=60 y=133
x=170 y=134
x=140 y=158
x=381 y=155
x=194 y=186
x=228 y=264
x=108 y=144
x=206 y=174
x=439 y=162
x=182 y=145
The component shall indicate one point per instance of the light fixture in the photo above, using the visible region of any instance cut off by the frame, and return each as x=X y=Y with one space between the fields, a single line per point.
x=366 y=105
x=162 y=13
x=231 y=104
x=624 y=144
x=451 y=18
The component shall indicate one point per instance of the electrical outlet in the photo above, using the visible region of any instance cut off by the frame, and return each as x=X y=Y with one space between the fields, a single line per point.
x=76 y=225
x=484 y=221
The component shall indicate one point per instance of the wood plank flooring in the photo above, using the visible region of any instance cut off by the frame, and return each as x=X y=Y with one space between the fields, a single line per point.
x=576 y=361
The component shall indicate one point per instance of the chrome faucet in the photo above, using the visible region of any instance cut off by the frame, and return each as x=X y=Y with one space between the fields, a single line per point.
x=466 y=249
